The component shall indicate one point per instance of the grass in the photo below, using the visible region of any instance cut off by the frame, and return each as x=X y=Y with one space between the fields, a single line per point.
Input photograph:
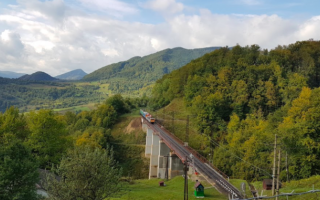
x=196 y=140
x=174 y=189
x=118 y=130
x=178 y=107
x=133 y=113
x=86 y=107
x=103 y=87
x=150 y=189
x=303 y=185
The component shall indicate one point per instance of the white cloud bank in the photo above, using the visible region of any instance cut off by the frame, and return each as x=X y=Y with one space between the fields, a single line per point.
x=56 y=42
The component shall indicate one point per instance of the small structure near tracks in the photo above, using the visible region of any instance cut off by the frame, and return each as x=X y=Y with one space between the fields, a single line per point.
x=161 y=183
x=199 y=190
x=267 y=184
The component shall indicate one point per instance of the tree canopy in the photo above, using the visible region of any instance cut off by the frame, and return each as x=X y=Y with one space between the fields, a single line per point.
x=242 y=96
x=18 y=172
x=86 y=174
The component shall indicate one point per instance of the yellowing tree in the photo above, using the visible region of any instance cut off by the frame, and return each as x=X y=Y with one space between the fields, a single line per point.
x=92 y=137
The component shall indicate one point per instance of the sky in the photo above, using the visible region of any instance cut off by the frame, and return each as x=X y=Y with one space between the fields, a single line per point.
x=57 y=36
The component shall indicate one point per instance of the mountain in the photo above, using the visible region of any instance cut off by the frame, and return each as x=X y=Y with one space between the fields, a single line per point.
x=37 y=76
x=8 y=74
x=139 y=72
x=76 y=74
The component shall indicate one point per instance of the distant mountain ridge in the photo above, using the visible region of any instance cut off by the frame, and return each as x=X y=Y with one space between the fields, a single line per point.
x=76 y=74
x=9 y=74
x=38 y=76
x=139 y=72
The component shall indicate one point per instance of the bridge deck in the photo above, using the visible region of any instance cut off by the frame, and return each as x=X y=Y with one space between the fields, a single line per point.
x=211 y=173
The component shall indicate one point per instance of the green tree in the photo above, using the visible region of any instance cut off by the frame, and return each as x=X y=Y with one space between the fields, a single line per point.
x=118 y=103
x=18 y=172
x=88 y=174
x=13 y=122
x=49 y=138
x=300 y=132
x=104 y=116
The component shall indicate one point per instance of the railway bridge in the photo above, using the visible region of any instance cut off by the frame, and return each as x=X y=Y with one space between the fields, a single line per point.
x=167 y=154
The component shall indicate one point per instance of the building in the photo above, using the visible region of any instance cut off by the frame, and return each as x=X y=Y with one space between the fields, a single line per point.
x=199 y=190
x=267 y=184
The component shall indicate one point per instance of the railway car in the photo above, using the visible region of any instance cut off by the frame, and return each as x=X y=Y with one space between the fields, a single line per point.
x=148 y=116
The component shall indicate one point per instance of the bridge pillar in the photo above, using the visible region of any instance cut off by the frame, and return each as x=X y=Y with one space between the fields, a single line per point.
x=157 y=151
x=175 y=166
x=164 y=152
x=148 y=142
x=143 y=125
x=154 y=160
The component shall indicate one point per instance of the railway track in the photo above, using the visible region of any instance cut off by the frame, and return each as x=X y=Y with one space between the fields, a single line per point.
x=209 y=173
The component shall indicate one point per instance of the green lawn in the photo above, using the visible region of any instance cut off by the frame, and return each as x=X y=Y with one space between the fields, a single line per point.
x=150 y=189
x=174 y=189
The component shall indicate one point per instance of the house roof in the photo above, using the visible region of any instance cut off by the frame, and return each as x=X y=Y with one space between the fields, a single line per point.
x=197 y=184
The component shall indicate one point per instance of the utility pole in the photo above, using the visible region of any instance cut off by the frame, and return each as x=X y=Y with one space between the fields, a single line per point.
x=186 y=169
x=287 y=169
x=274 y=165
x=187 y=129
x=278 y=174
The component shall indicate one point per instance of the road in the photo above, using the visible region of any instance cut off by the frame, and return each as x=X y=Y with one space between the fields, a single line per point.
x=212 y=176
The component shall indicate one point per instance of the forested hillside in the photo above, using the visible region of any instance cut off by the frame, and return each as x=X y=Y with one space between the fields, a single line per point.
x=139 y=72
x=76 y=74
x=243 y=96
x=29 y=95
x=37 y=76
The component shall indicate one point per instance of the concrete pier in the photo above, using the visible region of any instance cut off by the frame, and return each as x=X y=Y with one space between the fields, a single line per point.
x=176 y=166
x=164 y=153
x=154 y=156
x=148 y=142
x=158 y=153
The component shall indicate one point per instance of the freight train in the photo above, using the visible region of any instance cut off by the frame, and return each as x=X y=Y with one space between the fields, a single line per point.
x=148 y=116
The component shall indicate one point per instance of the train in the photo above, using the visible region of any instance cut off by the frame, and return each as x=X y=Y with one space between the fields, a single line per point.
x=148 y=116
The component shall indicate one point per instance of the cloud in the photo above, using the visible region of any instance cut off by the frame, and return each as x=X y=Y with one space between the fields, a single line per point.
x=10 y=45
x=165 y=6
x=54 y=10
x=309 y=29
x=112 y=7
x=31 y=42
